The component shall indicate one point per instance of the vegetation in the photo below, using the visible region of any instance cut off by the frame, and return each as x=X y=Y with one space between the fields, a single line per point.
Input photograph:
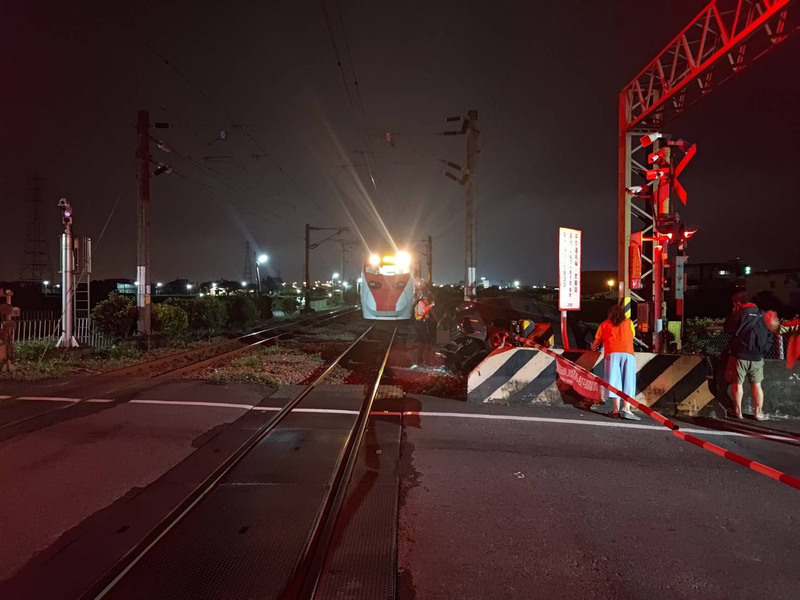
x=170 y=319
x=243 y=313
x=115 y=316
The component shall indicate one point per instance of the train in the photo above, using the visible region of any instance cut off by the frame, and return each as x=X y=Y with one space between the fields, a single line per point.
x=387 y=287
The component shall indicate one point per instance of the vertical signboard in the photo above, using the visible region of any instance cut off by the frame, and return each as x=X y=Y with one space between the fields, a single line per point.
x=635 y=261
x=680 y=279
x=569 y=269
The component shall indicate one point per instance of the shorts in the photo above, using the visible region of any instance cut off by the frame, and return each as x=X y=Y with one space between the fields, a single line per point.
x=753 y=370
x=620 y=372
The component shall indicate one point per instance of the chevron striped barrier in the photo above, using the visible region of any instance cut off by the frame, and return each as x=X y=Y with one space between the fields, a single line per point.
x=673 y=384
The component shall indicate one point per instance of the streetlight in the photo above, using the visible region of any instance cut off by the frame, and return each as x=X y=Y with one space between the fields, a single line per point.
x=189 y=287
x=260 y=260
x=45 y=284
x=516 y=283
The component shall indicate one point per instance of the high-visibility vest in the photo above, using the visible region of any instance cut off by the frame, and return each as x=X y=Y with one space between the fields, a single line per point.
x=422 y=309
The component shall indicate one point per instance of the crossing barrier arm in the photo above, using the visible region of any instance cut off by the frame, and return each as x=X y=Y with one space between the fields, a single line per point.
x=753 y=465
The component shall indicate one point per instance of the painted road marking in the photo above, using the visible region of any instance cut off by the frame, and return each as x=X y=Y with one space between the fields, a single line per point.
x=49 y=399
x=451 y=415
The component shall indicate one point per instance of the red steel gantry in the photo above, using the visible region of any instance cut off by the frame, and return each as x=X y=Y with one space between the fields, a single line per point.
x=726 y=37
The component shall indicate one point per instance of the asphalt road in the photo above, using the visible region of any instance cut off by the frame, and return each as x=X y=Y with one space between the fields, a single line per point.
x=494 y=502
x=505 y=508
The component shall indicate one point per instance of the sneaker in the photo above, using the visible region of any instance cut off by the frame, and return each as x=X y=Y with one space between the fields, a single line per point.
x=629 y=416
x=759 y=417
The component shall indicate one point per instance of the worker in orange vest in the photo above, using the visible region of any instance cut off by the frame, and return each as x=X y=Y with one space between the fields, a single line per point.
x=425 y=325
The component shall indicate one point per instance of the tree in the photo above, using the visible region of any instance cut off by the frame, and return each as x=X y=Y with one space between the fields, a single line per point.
x=115 y=316
x=171 y=319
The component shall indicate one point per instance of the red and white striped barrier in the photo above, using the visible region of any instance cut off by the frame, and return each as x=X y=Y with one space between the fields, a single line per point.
x=673 y=427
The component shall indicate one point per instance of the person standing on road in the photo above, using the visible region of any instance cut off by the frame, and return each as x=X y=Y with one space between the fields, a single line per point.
x=425 y=326
x=616 y=336
x=750 y=340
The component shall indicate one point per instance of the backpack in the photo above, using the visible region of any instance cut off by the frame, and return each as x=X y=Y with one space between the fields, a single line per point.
x=762 y=341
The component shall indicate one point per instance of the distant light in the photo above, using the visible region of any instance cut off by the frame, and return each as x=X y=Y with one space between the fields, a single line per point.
x=358 y=280
x=747 y=271
x=135 y=283
x=374 y=259
x=610 y=283
x=159 y=284
x=516 y=283
x=723 y=272
x=336 y=276
x=262 y=258
x=403 y=259
x=244 y=284
x=188 y=286
x=202 y=294
x=214 y=285
x=483 y=278
x=345 y=285
x=46 y=282
x=58 y=285
x=330 y=295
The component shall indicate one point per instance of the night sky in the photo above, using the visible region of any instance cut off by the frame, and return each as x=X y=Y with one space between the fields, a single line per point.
x=544 y=77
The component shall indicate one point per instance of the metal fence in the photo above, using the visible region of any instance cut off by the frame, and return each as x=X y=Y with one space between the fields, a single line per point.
x=29 y=330
x=713 y=342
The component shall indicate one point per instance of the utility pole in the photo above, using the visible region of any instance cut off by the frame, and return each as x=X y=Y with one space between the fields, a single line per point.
x=309 y=248
x=143 y=237
x=143 y=160
x=471 y=131
x=307 y=286
x=430 y=260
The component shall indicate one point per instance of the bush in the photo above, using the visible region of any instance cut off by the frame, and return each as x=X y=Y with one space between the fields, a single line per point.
x=172 y=320
x=207 y=314
x=264 y=304
x=115 y=316
x=243 y=312
x=286 y=304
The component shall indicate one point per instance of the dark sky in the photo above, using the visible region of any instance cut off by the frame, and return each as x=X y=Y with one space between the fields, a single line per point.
x=544 y=77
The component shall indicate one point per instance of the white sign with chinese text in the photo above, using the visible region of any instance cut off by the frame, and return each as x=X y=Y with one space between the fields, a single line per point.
x=569 y=269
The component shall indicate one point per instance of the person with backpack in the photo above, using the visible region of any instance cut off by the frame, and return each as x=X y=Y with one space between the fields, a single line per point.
x=751 y=339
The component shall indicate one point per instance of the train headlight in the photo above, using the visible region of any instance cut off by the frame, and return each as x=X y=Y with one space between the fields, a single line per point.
x=403 y=259
x=374 y=260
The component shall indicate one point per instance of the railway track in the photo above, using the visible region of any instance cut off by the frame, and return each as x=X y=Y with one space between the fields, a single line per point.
x=294 y=575
x=152 y=372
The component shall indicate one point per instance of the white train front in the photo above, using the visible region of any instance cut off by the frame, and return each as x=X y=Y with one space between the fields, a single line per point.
x=387 y=287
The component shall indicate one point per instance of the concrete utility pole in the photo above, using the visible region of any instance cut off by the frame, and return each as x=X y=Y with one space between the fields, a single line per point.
x=309 y=248
x=307 y=286
x=143 y=230
x=430 y=259
x=471 y=131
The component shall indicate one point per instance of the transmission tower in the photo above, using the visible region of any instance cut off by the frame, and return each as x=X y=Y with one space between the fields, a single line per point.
x=37 y=265
x=248 y=263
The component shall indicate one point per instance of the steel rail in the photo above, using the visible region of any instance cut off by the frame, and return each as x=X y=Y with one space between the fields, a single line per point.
x=182 y=368
x=312 y=563
x=114 y=576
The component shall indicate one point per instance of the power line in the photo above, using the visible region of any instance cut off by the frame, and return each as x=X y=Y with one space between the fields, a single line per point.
x=222 y=196
x=230 y=119
x=332 y=36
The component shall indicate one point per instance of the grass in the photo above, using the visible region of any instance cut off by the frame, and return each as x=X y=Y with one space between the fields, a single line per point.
x=40 y=359
x=275 y=366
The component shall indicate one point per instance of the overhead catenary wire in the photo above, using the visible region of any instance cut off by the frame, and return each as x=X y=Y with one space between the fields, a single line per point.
x=231 y=120
x=223 y=196
x=200 y=138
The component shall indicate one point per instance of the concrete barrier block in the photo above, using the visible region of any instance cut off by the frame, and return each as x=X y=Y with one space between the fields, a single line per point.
x=675 y=385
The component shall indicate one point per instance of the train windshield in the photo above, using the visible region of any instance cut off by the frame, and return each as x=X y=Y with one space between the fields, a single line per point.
x=388 y=264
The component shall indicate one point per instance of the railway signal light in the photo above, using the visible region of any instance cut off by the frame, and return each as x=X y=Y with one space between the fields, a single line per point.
x=66 y=211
